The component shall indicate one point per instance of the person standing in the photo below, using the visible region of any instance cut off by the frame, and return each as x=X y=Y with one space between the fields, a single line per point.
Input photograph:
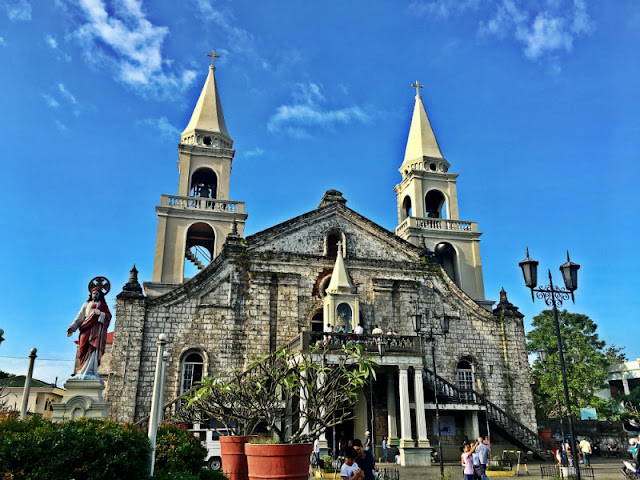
x=316 y=452
x=367 y=440
x=365 y=459
x=467 y=460
x=385 y=445
x=483 y=458
x=377 y=330
x=359 y=330
x=350 y=469
x=585 y=448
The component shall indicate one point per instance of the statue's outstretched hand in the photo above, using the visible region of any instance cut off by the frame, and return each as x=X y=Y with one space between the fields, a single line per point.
x=69 y=331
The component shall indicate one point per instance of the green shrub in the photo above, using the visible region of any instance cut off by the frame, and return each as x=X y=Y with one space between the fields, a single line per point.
x=178 y=450
x=85 y=449
x=175 y=476
x=207 y=474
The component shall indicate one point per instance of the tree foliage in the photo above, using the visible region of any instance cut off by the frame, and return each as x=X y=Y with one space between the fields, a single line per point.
x=275 y=383
x=587 y=359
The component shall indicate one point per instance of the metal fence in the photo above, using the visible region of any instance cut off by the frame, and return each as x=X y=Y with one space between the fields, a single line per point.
x=554 y=471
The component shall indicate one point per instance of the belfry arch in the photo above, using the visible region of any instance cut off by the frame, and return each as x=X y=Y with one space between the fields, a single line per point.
x=204 y=183
x=434 y=204
x=448 y=258
x=200 y=246
x=407 y=211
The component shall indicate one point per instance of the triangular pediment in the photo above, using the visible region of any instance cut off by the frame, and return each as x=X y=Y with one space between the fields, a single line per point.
x=306 y=234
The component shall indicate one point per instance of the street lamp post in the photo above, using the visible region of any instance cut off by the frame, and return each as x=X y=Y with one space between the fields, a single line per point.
x=431 y=337
x=553 y=297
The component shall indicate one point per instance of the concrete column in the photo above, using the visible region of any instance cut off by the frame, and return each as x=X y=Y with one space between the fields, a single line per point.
x=625 y=383
x=303 y=406
x=471 y=425
x=391 y=412
x=421 y=419
x=406 y=439
x=324 y=445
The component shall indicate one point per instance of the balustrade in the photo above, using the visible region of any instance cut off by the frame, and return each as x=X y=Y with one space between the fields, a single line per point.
x=202 y=203
x=436 y=224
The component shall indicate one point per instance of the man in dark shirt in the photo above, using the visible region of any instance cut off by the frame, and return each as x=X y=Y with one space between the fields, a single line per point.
x=365 y=459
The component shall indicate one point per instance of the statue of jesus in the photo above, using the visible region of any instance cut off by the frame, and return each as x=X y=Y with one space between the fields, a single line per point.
x=92 y=322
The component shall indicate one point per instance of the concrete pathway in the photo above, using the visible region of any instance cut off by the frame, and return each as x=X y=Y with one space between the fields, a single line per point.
x=603 y=469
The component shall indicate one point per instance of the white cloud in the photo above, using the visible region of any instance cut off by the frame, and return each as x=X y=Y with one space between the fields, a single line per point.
x=542 y=29
x=238 y=42
x=3 y=43
x=118 y=37
x=67 y=94
x=51 y=41
x=43 y=369
x=18 y=10
x=50 y=101
x=308 y=112
x=256 y=152
x=61 y=126
x=163 y=126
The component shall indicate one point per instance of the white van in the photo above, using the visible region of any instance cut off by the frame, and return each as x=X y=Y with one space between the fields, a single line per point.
x=209 y=439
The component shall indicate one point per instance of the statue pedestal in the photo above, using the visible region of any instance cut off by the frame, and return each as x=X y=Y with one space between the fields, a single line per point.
x=415 y=456
x=82 y=398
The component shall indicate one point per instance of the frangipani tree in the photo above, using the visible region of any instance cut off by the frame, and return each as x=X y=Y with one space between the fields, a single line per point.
x=322 y=385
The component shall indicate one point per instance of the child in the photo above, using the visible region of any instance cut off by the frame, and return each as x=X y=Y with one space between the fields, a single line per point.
x=350 y=469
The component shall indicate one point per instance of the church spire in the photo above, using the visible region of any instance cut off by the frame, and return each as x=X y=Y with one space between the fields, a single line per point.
x=340 y=281
x=422 y=143
x=207 y=117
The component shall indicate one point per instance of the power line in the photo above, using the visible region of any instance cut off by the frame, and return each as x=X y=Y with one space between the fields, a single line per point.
x=40 y=359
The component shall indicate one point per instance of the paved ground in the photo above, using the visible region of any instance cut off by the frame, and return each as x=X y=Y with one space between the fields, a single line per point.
x=603 y=469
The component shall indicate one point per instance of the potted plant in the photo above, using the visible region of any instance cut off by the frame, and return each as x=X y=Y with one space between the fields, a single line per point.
x=317 y=385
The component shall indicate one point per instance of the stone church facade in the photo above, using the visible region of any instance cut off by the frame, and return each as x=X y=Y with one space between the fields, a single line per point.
x=284 y=285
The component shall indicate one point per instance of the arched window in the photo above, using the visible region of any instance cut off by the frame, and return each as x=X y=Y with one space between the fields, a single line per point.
x=406 y=207
x=331 y=239
x=434 y=202
x=204 y=183
x=446 y=256
x=200 y=248
x=344 y=316
x=465 y=379
x=317 y=322
x=192 y=369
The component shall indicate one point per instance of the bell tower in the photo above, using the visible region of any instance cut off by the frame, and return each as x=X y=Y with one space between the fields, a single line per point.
x=193 y=225
x=428 y=207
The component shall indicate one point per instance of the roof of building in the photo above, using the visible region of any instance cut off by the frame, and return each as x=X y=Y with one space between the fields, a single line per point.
x=18 y=381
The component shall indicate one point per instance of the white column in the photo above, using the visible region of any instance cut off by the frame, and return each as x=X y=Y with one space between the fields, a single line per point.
x=303 y=406
x=625 y=383
x=391 y=412
x=324 y=446
x=421 y=419
x=405 y=414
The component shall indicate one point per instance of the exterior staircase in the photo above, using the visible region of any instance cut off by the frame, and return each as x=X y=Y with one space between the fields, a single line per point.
x=190 y=256
x=509 y=427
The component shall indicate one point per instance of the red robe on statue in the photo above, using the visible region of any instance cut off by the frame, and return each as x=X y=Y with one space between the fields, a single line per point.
x=93 y=334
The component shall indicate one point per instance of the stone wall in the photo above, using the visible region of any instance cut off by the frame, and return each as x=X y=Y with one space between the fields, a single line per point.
x=260 y=295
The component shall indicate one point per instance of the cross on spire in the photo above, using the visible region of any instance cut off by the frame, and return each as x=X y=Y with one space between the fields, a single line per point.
x=418 y=87
x=213 y=56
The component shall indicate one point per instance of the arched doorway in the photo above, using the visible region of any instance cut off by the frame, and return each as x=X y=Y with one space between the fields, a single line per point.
x=406 y=207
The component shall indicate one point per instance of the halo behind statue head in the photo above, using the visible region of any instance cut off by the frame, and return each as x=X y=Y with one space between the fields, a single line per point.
x=101 y=284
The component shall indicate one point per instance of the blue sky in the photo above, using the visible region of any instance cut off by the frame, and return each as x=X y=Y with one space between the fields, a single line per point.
x=534 y=103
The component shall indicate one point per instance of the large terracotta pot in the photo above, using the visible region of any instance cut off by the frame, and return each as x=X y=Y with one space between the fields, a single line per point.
x=271 y=462
x=545 y=434
x=234 y=461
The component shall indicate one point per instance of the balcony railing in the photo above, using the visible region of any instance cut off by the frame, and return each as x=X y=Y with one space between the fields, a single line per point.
x=437 y=224
x=202 y=203
x=392 y=344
